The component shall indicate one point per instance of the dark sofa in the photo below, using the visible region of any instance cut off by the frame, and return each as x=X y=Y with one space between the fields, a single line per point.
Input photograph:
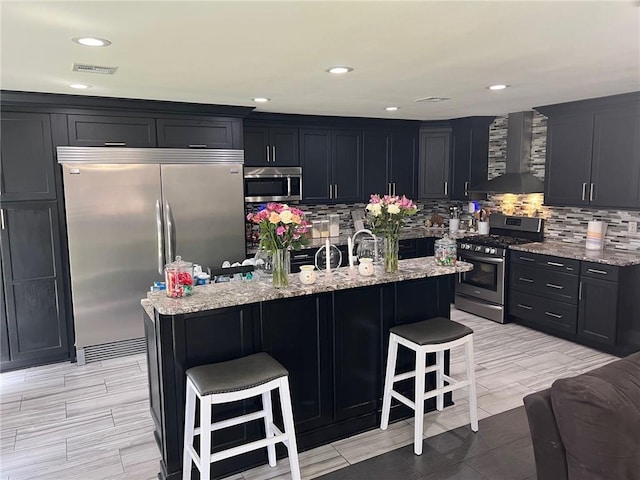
x=587 y=427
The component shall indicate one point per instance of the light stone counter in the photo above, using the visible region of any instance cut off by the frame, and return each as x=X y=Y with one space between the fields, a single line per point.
x=230 y=294
x=579 y=252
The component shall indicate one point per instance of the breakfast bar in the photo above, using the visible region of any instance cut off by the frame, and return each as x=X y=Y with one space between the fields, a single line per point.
x=331 y=336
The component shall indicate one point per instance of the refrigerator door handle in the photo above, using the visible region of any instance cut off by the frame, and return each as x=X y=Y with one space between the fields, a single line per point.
x=169 y=231
x=160 y=238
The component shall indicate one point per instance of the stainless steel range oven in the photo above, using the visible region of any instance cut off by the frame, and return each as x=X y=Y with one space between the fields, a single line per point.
x=483 y=290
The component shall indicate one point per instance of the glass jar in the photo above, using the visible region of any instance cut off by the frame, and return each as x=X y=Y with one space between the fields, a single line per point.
x=445 y=251
x=334 y=225
x=179 y=278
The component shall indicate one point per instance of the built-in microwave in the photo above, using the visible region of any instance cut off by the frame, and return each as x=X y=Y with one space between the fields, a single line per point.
x=272 y=184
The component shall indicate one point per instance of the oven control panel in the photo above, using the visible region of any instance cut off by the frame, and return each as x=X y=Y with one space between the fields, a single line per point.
x=499 y=252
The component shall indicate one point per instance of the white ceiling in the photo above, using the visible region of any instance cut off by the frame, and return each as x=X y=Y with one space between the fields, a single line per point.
x=228 y=52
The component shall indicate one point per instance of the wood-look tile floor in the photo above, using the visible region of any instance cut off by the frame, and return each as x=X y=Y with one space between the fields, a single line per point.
x=92 y=422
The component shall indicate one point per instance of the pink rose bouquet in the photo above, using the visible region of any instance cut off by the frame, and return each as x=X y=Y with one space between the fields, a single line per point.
x=281 y=227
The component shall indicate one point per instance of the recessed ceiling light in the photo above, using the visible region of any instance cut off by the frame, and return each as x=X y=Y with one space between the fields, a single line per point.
x=431 y=99
x=392 y=109
x=498 y=87
x=261 y=99
x=339 y=70
x=80 y=86
x=92 y=41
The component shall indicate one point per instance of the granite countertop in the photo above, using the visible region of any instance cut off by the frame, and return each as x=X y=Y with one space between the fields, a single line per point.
x=231 y=294
x=148 y=307
x=579 y=252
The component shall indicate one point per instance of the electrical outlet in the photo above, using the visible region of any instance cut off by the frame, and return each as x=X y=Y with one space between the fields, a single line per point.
x=633 y=227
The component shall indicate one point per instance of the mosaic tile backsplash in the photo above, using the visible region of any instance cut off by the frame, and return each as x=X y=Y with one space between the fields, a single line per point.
x=565 y=224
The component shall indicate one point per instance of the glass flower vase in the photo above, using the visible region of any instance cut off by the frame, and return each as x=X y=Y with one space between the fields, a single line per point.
x=391 y=253
x=280 y=268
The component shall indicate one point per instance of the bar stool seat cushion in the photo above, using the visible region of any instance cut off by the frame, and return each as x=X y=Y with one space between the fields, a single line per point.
x=433 y=331
x=234 y=375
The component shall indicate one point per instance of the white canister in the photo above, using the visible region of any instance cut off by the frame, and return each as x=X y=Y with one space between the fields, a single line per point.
x=454 y=225
x=307 y=274
x=366 y=267
x=483 y=228
x=596 y=232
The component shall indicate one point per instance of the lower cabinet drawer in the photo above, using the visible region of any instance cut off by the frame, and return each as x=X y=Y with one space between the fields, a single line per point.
x=546 y=283
x=543 y=311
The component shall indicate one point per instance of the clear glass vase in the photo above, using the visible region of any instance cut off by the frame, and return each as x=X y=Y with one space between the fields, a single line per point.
x=391 y=253
x=280 y=268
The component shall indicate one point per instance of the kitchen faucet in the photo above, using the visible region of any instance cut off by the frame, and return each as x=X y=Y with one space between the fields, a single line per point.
x=353 y=242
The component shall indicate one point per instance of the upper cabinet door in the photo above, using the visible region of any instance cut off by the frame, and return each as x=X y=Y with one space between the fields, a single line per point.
x=346 y=168
x=199 y=133
x=615 y=167
x=315 y=159
x=256 y=147
x=26 y=170
x=375 y=163
x=284 y=147
x=568 y=164
x=111 y=131
x=271 y=146
x=402 y=175
x=435 y=154
x=470 y=156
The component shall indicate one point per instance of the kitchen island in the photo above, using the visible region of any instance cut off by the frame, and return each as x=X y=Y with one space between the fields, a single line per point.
x=331 y=336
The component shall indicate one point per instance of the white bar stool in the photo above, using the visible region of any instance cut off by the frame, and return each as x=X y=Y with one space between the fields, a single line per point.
x=230 y=381
x=434 y=335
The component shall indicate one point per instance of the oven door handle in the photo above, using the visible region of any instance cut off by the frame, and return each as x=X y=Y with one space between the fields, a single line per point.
x=495 y=261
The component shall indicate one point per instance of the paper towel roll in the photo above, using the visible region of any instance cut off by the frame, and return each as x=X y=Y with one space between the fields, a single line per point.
x=595 y=235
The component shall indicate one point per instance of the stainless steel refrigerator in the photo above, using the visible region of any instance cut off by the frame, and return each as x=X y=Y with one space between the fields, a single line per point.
x=129 y=212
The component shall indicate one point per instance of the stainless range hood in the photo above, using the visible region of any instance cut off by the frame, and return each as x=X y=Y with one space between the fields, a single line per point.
x=517 y=178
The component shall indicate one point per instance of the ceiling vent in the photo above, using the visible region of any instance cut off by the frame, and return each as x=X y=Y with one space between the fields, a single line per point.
x=431 y=99
x=84 y=68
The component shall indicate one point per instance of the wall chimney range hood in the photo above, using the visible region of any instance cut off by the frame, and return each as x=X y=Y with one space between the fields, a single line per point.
x=517 y=178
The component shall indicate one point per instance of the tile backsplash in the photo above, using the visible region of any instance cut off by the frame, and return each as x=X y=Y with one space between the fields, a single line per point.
x=567 y=224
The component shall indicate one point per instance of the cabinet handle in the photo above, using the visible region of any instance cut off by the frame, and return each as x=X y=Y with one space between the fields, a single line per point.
x=552 y=285
x=273 y=157
x=2 y=218
x=268 y=154
x=330 y=190
x=584 y=190
x=197 y=145
x=394 y=188
x=528 y=280
x=591 y=192
x=304 y=255
x=580 y=292
x=526 y=307
x=335 y=191
x=446 y=188
x=554 y=315
x=389 y=188
x=527 y=259
x=115 y=144
x=593 y=270
x=555 y=264
x=466 y=189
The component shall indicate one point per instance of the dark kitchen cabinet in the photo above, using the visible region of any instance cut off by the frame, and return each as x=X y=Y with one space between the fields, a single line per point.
x=331 y=163
x=597 y=311
x=5 y=355
x=434 y=164
x=567 y=171
x=111 y=131
x=32 y=278
x=271 y=146
x=307 y=359
x=470 y=157
x=543 y=291
x=27 y=170
x=389 y=162
x=592 y=153
x=199 y=133
x=591 y=303
x=358 y=319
